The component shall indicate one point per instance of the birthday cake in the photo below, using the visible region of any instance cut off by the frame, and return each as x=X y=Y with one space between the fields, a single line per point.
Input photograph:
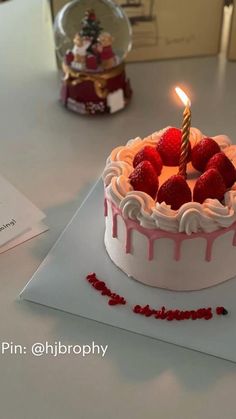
x=167 y=230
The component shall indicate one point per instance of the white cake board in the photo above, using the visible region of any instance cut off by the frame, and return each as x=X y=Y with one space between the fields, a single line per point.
x=60 y=283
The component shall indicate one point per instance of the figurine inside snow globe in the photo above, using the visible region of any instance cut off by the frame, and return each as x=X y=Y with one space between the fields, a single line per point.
x=92 y=44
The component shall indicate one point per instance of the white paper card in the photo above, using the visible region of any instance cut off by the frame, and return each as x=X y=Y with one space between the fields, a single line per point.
x=17 y=213
x=29 y=234
x=116 y=100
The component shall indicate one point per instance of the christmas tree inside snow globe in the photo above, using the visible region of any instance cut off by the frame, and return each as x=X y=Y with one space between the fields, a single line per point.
x=92 y=44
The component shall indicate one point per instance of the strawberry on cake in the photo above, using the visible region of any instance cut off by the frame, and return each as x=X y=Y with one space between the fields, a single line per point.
x=162 y=229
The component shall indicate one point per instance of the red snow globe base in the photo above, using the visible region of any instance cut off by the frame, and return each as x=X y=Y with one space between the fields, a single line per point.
x=92 y=93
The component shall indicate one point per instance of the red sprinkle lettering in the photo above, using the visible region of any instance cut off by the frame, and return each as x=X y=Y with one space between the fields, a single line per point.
x=162 y=314
x=114 y=299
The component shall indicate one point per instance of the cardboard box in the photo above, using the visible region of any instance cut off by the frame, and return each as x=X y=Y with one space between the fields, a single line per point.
x=169 y=28
x=232 y=37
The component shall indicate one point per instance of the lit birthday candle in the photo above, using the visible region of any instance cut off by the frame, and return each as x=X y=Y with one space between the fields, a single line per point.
x=185 y=132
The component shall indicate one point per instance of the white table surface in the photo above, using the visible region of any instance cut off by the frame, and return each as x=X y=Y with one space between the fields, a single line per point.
x=54 y=157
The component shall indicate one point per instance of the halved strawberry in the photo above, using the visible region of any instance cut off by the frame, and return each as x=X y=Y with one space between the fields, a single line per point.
x=150 y=154
x=227 y=170
x=169 y=147
x=174 y=192
x=144 y=179
x=209 y=185
x=202 y=152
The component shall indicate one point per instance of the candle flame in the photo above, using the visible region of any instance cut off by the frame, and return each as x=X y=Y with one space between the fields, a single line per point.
x=182 y=95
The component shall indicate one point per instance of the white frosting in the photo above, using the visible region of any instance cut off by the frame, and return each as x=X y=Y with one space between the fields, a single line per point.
x=230 y=199
x=195 y=136
x=191 y=217
x=223 y=141
x=118 y=188
x=138 y=205
x=231 y=153
x=115 y=169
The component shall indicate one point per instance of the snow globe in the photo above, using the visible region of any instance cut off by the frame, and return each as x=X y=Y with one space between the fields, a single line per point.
x=92 y=40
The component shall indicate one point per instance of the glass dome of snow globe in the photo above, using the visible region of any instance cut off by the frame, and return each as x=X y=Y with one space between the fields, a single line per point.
x=92 y=26
x=92 y=40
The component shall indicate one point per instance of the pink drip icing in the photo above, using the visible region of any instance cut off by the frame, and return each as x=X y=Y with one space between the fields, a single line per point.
x=115 y=213
x=150 y=249
x=128 y=239
x=234 y=238
x=208 y=249
x=154 y=234
x=105 y=208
